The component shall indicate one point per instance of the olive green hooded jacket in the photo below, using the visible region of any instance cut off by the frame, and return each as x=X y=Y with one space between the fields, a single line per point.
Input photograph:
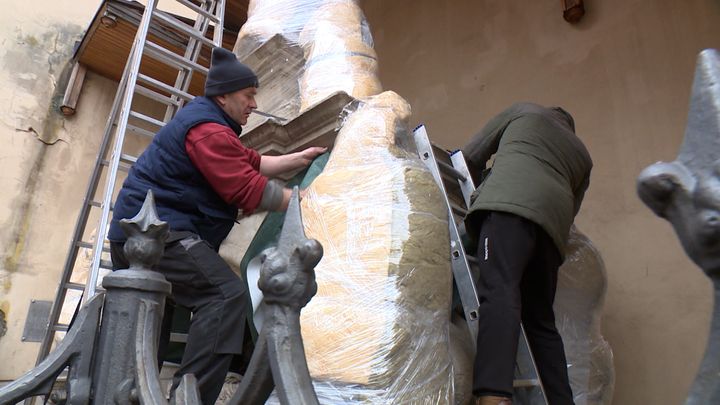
x=540 y=171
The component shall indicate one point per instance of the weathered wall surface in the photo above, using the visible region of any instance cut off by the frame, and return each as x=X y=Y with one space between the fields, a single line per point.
x=45 y=159
x=625 y=73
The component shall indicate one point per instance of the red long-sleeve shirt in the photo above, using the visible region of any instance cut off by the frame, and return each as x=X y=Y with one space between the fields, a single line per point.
x=232 y=169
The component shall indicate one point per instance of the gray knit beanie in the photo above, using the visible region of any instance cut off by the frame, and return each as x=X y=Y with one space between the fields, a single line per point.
x=227 y=74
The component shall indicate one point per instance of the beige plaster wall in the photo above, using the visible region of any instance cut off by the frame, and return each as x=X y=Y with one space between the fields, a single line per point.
x=45 y=159
x=625 y=73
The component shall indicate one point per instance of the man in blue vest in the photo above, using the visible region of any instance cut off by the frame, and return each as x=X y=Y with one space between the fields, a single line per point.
x=201 y=176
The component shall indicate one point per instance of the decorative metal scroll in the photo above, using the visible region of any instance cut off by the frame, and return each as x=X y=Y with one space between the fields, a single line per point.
x=686 y=192
x=114 y=361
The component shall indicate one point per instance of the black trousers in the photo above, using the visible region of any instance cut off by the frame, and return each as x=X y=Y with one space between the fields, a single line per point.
x=518 y=278
x=205 y=284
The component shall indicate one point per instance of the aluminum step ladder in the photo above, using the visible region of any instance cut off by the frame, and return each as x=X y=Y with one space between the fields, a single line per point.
x=162 y=41
x=453 y=177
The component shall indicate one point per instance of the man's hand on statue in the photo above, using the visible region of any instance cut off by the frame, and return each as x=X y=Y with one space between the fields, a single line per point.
x=307 y=155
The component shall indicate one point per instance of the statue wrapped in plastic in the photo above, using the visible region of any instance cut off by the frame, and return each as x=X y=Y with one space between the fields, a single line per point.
x=582 y=283
x=377 y=330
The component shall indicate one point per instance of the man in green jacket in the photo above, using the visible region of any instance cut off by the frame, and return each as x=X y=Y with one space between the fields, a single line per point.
x=520 y=216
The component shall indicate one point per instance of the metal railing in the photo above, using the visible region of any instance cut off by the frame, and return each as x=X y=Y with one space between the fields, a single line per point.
x=110 y=352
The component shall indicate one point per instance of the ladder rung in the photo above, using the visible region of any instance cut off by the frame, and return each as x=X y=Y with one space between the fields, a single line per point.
x=148 y=119
x=447 y=169
x=154 y=95
x=162 y=86
x=171 y=58
x=199 y=10
x=94 y=203
x=74 y=286
x=174 y=23
x=178 y=337
x=452 y=187
x=60 y=327
x=140 y=131
x=458 y=210
x=90 y=245
x=83 y=244
x=526 y=383
x=128 y=158
x=123 y=167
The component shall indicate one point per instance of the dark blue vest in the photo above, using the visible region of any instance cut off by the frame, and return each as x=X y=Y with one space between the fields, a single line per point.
x=183 y=197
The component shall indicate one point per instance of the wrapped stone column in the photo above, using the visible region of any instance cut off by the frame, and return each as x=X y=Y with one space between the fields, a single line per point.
x=377 y=330
x=335 y=41
x=339 y=54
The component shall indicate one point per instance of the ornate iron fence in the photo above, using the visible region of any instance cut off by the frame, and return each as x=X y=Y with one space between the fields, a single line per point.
x=111 y=350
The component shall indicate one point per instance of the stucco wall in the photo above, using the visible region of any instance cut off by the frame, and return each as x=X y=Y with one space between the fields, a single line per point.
x=45 y=159
x=625 y=73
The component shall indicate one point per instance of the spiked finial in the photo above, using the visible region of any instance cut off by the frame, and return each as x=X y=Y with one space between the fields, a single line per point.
x=146 y=235
x=287 y=275
x=701 y=147
x=293 y=232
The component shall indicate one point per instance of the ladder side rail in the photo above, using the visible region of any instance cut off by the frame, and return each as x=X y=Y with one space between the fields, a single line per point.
x=199 y=10
x=194 y=47
x=182 y=82
x=467 y=187
x=123 y=94
x=220 y=25
x=138 y=44
x=460 y=267
x=192 y=52
x=81 y=223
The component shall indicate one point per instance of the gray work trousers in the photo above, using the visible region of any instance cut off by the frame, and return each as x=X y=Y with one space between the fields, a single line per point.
x=204 y=283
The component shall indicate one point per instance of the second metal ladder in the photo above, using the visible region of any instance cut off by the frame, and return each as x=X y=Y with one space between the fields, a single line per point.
x=452 y=176
x=163 y=42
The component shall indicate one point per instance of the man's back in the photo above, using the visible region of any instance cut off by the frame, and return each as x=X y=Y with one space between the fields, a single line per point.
x=540 y=171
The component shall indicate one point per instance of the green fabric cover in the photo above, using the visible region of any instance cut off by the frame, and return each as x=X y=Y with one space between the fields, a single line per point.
x=269 y=231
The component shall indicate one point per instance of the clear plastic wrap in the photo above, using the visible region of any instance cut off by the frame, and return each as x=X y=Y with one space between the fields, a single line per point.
x=339 y=54
x=582 y=283
x=332 y=39
x=378 y=329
